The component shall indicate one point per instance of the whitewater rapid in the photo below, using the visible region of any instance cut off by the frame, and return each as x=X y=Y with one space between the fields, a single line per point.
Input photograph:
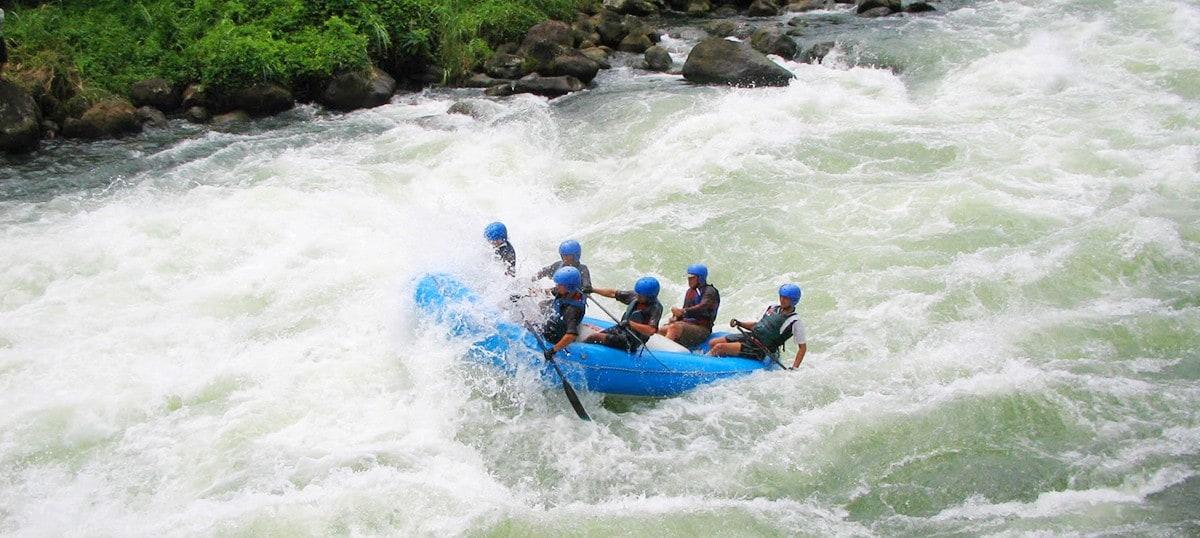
x=993 y=212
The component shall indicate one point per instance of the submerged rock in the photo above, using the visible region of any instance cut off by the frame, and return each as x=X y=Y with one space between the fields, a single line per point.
x=865 y=6
x=197 y=114
x=230 y=119
x=547 y=86
x=20 y=119
x=919 y=7
x=734 y=63
x=817 y=52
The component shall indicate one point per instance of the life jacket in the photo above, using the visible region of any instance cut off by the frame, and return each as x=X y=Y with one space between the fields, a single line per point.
x=577 y=300
x=633 y=309
x=767 y=330
x=693 y=298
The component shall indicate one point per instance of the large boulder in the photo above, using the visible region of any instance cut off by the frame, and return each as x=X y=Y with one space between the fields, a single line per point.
x=359 y=89
x=633 y=7
x=505 y=66
x=264 y=99
x=658 y=59
x=151 y=116
x=548 y=32
x=156 y=93
x=864 y=6
x=734 y=63
x=196 y=95
x=598 y=55
x=547 y=86
x=635 y=43
x=572 y=63
x=696 y=8
x=105 y=119
x=610 y=28
x=772 y=41
x=480 y=80
x=763 y=8
x=20 y=119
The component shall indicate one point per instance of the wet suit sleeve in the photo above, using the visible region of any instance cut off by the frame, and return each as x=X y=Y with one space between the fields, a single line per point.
x=586 y=276
x=655 y=314
x=625 y=297
x=547 y=271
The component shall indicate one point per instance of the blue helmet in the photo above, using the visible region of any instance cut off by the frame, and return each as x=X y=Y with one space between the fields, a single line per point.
x=647 y=286
x=495 y=231
x=791 y=291
x=568 y=277
x=570 y=247
x=700 y=270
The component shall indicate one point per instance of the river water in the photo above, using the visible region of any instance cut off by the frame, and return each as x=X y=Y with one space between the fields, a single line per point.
x=998 y=235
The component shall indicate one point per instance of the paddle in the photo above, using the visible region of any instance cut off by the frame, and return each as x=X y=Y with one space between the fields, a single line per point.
x=756 y=342
x=571 y=396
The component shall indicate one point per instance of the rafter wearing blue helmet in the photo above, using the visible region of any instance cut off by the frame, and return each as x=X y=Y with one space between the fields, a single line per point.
x=641 y=318
x=565 y=312
x=768 y=335
x=691 y=324
x=569 y=253
x=497 y=234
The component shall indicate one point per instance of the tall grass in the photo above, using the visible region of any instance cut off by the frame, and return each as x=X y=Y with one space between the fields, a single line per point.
x=109 y=44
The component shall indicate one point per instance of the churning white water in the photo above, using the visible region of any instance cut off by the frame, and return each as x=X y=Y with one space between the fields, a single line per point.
x=997 y=231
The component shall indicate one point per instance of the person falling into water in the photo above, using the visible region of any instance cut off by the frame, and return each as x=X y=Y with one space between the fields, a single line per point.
x=764 y=337
x=497 y=234
x=640 y=321
x=569 y=252
x=692 y=324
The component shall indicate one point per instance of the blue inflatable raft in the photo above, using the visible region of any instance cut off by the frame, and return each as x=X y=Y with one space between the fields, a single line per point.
x=666 y=369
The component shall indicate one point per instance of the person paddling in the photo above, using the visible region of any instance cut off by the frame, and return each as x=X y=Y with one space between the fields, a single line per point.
x=565 y=311
x=497 y=234
x=640 y=321
x=569 y=252
x=765 y=336
x=692 y=324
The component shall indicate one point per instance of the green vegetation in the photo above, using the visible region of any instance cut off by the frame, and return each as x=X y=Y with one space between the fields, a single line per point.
x=106 y=45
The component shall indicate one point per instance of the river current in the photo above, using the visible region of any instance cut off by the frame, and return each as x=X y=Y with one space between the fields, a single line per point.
x=994 y=212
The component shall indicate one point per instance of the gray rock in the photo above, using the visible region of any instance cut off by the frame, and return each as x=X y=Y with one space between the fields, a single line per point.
x=919 y=7
x=196 y=95
x=20 y=119
x=548 y=32
x=864 y=6
x=721 y=61
x=876 y=12
x=479 y=109
x=359 y=89
x=817 y=52
x=658 y=59
x=230 y=119
x=608 y=25
x=633 y=7
x=105 y=119
x=151 y=116
x=480 y=80
x=197 y=114
x=264 y=99
x=501 y=90
x=598 y=55
x=721 y=28
x=572 y=63
x=50 y=129
x=771 y=41
x=547 y=86
x=635 y=43
x=156 y=93
x=801 y=6
x=763 y=8
x=697 y=8
x=505 y=66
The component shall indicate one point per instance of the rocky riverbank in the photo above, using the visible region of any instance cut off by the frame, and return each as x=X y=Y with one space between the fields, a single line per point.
x=554 y=58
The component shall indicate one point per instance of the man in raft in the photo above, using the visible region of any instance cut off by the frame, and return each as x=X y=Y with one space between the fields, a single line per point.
x=692 y=324
x=497 y=234
x=765 y=336
x=569 y=252
x=640 y=321
x=565 y=311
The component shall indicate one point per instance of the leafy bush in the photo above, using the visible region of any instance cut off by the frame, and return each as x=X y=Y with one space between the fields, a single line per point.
x=228 y=43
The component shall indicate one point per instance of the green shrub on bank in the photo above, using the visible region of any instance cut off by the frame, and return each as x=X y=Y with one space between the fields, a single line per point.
x=230 y=43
